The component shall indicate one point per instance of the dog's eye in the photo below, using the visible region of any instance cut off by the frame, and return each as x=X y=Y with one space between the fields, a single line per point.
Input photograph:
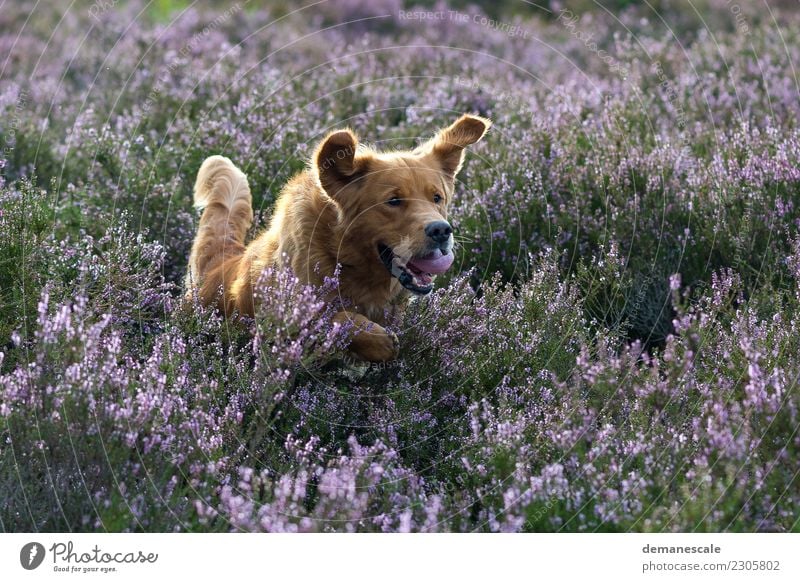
x=394 y=201
x=437 y=198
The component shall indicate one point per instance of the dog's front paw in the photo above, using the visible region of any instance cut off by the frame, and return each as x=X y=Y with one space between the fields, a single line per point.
x=376 y=345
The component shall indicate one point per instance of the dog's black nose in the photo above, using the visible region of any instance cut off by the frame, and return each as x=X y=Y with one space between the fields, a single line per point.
x=439 y=231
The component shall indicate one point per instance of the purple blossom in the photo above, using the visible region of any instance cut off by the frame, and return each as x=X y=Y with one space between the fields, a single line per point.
x=615 y=350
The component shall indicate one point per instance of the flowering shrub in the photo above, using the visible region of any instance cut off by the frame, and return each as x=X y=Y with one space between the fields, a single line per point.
x=616 y=350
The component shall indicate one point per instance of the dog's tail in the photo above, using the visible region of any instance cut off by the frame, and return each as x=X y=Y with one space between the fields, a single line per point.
x=223 y=193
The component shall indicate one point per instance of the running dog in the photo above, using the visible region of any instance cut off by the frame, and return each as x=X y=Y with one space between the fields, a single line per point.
x=380 y=216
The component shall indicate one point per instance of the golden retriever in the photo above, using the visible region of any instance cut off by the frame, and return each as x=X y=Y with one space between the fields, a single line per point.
x=381 y=216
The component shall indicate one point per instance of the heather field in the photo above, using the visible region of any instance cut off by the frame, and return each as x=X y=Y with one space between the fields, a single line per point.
x=616 y=349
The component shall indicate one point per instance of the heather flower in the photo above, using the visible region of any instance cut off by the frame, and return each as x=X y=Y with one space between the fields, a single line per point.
x=614 y=350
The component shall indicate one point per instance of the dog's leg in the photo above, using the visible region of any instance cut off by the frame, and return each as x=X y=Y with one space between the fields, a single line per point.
x=369 y=341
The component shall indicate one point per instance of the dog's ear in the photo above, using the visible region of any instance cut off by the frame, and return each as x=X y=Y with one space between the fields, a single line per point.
x=448 y=145
x=336 y=162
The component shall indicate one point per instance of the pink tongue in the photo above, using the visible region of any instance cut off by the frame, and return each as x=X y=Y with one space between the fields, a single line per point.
x=434 y=263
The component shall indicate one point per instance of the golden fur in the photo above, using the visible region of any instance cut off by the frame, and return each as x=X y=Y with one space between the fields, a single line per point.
x=335 y=212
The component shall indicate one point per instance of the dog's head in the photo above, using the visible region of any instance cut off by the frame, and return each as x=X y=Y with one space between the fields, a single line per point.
x=393 y=206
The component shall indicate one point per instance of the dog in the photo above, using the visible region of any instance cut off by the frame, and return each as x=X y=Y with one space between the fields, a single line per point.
x=380 y=216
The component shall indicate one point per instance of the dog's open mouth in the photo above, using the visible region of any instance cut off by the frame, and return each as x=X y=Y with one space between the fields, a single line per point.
x=415 y=273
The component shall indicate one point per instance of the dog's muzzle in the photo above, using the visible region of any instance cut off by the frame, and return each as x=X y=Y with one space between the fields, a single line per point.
x=416 y=273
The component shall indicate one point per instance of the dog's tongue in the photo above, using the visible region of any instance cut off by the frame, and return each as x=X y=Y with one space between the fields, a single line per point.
x=434 y=263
